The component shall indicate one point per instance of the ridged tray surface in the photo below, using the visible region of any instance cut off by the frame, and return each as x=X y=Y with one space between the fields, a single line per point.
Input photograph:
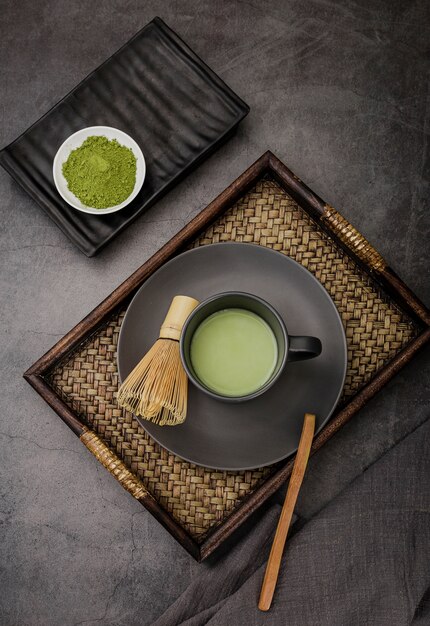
x=157 y=90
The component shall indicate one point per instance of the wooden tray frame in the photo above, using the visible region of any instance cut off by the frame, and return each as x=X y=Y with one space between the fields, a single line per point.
x=355 y=245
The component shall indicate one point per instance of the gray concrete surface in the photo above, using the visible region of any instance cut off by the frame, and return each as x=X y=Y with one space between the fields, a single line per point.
x=339 y=91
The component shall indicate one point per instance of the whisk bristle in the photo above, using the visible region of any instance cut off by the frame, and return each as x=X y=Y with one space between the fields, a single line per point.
x=157 y=388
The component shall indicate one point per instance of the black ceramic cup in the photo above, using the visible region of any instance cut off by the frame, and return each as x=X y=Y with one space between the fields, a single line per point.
x=290 y=348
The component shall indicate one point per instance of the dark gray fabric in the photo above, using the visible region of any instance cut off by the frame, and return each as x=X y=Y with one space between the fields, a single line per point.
x=363 y=560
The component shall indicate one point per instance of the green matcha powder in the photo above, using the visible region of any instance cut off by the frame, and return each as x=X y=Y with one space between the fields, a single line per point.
x=101 y=173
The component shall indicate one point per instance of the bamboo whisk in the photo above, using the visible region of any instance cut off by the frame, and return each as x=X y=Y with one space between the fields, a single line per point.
x=157 y=388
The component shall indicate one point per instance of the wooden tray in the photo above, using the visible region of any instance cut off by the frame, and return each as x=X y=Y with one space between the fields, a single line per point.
x=385 y=325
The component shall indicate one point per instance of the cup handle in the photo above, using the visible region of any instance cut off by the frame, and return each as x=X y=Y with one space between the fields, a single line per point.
x=301 y=348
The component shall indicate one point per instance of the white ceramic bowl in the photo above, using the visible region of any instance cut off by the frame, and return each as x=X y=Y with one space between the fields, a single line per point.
x=74 y=141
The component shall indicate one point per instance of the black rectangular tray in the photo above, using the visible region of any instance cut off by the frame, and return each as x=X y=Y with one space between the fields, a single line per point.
x=156 y=89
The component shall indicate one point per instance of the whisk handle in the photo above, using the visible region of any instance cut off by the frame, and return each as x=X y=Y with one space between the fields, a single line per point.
x=178 y=312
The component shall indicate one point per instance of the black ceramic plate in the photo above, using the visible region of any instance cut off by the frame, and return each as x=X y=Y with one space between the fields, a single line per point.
x=267 y=429
x=159 y=92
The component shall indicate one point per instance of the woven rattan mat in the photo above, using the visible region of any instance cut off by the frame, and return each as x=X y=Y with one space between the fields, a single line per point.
x=196 y=497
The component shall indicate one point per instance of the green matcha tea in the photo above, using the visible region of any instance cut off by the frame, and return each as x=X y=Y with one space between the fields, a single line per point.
x=101 y=173
x=233 y=352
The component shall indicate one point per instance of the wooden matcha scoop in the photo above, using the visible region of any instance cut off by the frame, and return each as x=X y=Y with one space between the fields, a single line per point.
x=274 y=562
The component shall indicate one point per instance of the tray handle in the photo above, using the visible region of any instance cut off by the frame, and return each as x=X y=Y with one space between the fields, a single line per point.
x=113 y=464
x=352 y=238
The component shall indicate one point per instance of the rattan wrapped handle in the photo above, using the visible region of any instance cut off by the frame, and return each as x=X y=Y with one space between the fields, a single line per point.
x=352 y=238
x=114 y=464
